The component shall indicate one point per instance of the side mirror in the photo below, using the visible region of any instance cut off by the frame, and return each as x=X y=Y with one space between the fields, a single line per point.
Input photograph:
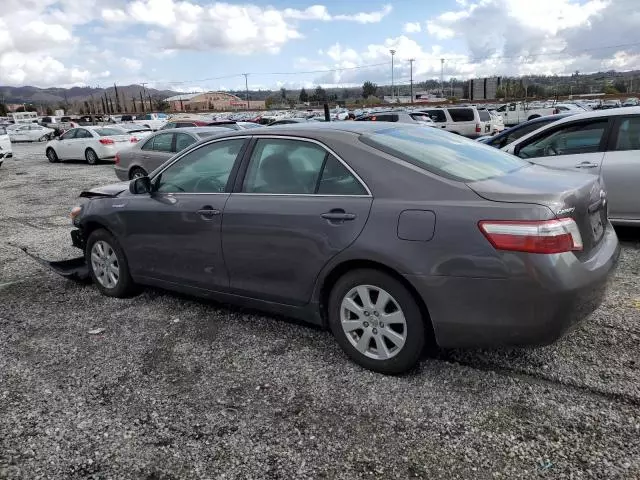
x=140 y=185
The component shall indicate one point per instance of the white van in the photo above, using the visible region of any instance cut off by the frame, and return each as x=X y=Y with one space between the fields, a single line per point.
x=465 y=121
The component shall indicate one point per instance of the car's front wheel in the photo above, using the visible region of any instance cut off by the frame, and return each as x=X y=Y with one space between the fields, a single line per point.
x=52 y=156
x=376 y=321
x=108 y=265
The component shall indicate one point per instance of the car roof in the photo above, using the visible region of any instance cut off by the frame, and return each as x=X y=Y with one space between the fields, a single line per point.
x=309 y=129
x=612 y=112
x=195 y=130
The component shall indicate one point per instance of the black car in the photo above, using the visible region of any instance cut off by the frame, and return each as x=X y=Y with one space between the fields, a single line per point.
x=509 y=135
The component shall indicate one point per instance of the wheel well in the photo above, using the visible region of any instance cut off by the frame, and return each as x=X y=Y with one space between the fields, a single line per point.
x=533 y=116
x=89 y=227
x=346 y=267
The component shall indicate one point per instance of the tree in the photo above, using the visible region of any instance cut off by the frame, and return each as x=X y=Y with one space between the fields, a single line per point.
x=620 y=86
x=49 y=111
x=369 y=89
x=500 y=93
x=304 y=97
x=268 y=102
x=611 y=90
x=117 y=98
x=320 y=94
x=283 y=94
x=3 y=109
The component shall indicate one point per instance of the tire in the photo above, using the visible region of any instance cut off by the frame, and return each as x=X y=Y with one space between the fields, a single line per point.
x=136 y=172
x=91 y=157
x=43 y=138
x=394 y=357
x=108 y=265
x=52 y=156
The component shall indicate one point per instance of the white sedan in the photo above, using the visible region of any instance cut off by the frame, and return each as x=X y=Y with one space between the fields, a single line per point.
x=91 y=143
x=30 y=132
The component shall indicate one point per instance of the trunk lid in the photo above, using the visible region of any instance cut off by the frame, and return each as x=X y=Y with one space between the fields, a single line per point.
x=575 y=195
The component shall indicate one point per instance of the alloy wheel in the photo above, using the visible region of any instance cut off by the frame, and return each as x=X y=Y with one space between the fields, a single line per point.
x=104 y=263
x=373 y=322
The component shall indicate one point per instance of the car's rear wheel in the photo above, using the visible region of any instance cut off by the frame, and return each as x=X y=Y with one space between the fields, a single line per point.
x=52 y=156
x=43 y=138
x=376 y=321
x=108 y=265
x=137 y=172
x=91 y=156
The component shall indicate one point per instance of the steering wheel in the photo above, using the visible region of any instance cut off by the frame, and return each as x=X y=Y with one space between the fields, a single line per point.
x=217 y=185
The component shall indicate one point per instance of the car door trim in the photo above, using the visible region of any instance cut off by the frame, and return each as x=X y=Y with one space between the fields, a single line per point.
x=247 y=158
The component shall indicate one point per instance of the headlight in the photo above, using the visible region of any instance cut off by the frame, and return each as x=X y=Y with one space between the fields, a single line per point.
x=75 y=213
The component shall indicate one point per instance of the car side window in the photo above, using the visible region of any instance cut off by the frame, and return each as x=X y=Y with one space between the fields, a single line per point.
x=284 y=167
x=338 y=180
x=203 y=170
x=461 y=114
x=70 y=134
x=183 y=141
x=628 y=134
x=437 y=116
x=571 y=139
x=82 y=133
x=162 y=142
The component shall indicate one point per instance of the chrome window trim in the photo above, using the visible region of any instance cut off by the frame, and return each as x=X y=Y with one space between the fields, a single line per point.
x=272 y=136
x=322 y=145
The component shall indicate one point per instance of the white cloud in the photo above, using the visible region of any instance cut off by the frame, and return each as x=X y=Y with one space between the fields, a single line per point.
x=412 y=27
x=131 y=64
x=320 y=12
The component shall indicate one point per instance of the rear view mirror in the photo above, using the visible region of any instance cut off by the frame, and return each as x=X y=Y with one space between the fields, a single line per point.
x=140 y=185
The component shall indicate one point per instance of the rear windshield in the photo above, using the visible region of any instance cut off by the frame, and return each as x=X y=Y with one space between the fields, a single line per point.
x=461 y=114
x=105 y=132
x=443 y=154
x=484 y=115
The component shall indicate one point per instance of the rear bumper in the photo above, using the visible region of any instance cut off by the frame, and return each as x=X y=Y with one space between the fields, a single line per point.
x=121 y=173
x=536 y=309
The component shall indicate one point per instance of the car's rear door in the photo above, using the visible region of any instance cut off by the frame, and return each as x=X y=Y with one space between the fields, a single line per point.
x=621 y=169
x=295 y=205
x=156 y=150
x=577 y=145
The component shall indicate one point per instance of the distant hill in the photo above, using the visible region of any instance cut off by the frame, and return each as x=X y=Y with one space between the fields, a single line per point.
x=46 y=96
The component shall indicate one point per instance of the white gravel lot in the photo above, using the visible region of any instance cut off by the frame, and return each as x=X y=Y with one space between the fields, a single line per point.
x=182 y=388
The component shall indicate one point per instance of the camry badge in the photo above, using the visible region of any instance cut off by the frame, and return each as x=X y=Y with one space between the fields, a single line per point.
x=565 y=211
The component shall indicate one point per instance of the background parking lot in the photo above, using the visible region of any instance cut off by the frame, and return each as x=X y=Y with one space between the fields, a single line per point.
x=175 y=387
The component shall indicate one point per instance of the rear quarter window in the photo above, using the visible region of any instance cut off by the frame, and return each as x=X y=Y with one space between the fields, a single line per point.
x=445 y=155
x=461 y=114
x=484 y=115
x=436 y=115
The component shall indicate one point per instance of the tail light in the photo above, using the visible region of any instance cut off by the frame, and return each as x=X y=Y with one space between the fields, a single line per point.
x=106 y=141
x=133 y=140
x=478 y=128
x=549 y=236
x=117 y=158
x=556 y=111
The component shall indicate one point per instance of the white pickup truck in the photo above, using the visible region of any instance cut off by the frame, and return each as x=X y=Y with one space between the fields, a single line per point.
x=515 y=113
x=154 y=121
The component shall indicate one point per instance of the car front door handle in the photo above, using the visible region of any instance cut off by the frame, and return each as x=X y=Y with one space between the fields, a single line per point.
x=338 y=215
x=208 y=212
x=587 y=165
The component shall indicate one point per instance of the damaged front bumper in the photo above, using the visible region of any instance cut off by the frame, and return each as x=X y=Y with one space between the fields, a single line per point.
x=73 y=269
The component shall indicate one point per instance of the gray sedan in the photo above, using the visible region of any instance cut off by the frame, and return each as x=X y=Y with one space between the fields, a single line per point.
x=389 y=235
x=151 y=152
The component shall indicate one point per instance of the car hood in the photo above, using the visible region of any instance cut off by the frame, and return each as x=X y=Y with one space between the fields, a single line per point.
x=107 y=191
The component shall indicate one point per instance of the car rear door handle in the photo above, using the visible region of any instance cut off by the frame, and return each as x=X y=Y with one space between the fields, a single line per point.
x=587 y=165
x=338 y=215
x=208 y=212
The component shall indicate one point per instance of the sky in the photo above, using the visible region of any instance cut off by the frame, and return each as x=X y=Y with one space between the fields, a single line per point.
x=196 y=45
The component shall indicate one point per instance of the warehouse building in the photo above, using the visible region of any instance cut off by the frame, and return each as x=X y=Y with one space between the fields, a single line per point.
x=211 y=101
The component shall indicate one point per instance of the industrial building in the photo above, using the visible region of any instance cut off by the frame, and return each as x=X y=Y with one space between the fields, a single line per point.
x=210 y=101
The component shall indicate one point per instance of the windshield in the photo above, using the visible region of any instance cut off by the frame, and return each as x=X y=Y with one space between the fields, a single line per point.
x=444 y=154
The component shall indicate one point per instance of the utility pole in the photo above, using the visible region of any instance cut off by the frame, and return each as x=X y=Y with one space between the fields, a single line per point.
x=411 y=60
x=393 y=52
x=246 y=86
x=442 y=77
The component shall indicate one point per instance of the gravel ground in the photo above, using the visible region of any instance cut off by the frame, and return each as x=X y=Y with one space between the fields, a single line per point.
x=180 y=388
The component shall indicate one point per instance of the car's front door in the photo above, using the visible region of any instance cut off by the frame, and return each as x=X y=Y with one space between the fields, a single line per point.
x=173 y=234
x=84 y=139
x=621 y=169
x=577 y=146
x=295 y=208
x=63 y=145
